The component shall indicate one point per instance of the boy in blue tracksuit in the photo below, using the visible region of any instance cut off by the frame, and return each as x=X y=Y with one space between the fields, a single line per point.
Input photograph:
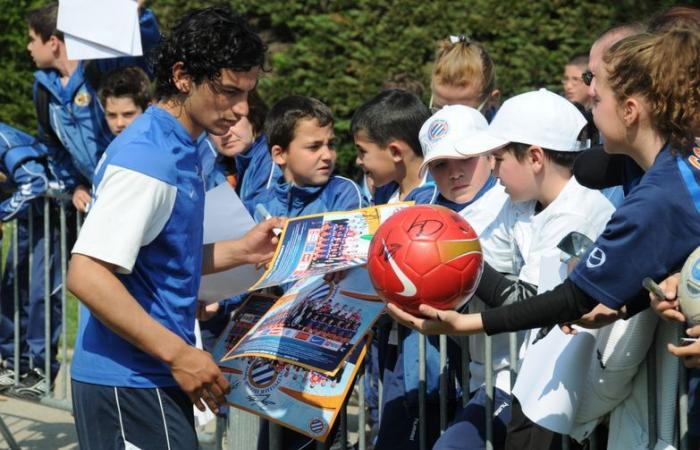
x=71 y=119
x=385 y=130
x=300 y=136
x=24 y=161
x=301 y=140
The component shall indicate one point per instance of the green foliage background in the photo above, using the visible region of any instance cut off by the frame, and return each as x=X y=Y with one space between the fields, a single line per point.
x=341 y=51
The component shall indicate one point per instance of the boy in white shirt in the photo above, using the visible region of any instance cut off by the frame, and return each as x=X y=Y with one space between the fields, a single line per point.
x=534 y=140
x=466 y=185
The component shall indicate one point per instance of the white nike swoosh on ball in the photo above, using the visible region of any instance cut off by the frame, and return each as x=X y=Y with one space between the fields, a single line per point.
x=409 y=289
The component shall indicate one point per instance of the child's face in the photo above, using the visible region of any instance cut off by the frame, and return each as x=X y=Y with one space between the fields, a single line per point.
x=607 y=115
x=516 y=176
x=375 y=161
x=459 y=180
x=238 y=139
x=120 y=112
x=42 y=52
x=575 y=90
x=310 y=158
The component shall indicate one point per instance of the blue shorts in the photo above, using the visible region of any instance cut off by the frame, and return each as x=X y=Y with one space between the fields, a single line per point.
x=468 y=429
x=108 y=417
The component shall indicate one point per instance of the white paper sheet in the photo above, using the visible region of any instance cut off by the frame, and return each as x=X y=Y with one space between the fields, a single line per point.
x=554 y=368
x=225 y=217
x=100 y=29
x=201 y=418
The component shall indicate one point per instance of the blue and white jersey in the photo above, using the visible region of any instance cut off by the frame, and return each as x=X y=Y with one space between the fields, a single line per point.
x=285 y=199
x=23 y=161
x=147 y=219
x=650 y=235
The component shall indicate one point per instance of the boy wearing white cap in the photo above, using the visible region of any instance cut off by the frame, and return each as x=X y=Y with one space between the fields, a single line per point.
x=465 y=185
x=534 y=141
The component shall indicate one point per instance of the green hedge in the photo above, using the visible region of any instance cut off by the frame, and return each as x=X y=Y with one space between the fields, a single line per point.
x=341 y=51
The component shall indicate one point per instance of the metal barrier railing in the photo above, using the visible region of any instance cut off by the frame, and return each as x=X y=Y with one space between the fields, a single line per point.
x=234 y=427
x=56 y=201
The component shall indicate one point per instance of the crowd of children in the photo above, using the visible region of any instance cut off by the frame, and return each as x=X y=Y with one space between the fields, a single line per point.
x=524 y=173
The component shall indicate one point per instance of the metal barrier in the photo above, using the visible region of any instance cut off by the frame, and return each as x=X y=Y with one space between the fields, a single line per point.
x=239 y=424
x=56 y=201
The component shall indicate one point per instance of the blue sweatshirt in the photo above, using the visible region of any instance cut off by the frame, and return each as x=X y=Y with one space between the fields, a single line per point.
x=284 y=199
x=24 y=161
x=76 y=115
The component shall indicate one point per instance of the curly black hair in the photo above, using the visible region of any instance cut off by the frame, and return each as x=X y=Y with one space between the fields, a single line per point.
x=206 y=41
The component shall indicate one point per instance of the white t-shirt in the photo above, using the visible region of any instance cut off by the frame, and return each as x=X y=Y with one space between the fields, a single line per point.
x=534 y=236
x=576 y=208
x=133 y=208
x=503 y=229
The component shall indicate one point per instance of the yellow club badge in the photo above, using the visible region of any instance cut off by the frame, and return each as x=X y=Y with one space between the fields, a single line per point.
x=82 y=99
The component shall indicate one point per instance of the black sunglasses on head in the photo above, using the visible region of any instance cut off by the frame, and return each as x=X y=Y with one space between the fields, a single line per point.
x=587 y=77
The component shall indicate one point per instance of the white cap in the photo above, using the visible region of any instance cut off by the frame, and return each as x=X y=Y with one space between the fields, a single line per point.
x=540 y=118
x=445 y=133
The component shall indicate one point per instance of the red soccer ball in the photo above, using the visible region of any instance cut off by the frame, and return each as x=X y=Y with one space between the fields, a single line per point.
x=425 y=254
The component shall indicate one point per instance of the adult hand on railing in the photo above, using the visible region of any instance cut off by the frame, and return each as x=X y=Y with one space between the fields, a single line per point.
x=436 y=321
x=200 y=378
x=81 y=198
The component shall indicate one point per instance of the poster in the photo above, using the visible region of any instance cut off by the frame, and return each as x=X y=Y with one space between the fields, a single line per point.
x=315 y=325
x=323 y=243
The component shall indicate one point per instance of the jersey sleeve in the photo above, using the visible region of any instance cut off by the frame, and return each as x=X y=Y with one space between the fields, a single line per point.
x=650 y=235
x=129 y=211
x=31 y=181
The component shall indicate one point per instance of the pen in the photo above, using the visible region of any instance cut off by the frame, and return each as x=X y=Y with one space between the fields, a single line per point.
x=654 y=288
x=542 y=333
x=265 y=214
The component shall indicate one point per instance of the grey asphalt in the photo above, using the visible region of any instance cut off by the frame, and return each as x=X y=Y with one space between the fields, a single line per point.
x=39 y=427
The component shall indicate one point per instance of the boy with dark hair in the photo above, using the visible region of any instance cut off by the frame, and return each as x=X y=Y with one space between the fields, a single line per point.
x=138 y=261
x=71 y=120
x=385 y=130
x=300 y=135
x=125 y=94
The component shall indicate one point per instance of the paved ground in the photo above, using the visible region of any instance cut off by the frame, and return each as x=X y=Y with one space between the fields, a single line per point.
x=38 y=427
